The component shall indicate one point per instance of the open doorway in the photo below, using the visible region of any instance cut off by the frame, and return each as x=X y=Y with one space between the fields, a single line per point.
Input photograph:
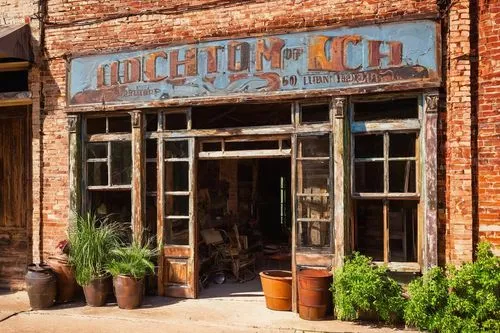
x=244 y=221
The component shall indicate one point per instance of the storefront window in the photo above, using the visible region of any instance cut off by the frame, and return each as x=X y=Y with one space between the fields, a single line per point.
x=108 y=167
x=384 y=178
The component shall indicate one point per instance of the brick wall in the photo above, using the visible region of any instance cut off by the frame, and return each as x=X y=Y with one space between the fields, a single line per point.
x=488 y=118
x=14 y=12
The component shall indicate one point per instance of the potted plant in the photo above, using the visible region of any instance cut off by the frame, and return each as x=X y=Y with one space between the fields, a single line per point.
x=92 y=240
x=129 y=265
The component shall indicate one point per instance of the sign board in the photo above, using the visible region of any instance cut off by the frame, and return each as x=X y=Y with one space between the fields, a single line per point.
x=328 y=59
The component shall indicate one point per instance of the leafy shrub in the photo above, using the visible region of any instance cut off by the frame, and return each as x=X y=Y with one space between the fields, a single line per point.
x=428 y=298
x=92 y=239
x=467 y=299
x=133 y=260
x=361 y=286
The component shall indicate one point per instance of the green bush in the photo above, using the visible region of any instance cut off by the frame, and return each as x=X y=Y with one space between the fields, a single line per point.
x=361 y=286
x=134 y=261
x=467 y=299
x=428 y=298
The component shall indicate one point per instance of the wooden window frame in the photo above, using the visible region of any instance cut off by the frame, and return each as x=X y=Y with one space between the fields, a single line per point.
x=385 y=127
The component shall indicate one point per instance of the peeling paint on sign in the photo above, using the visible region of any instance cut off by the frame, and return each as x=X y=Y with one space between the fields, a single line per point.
x=336 y=58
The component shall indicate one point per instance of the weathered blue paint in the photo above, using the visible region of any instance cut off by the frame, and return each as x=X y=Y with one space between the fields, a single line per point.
x=336 y=58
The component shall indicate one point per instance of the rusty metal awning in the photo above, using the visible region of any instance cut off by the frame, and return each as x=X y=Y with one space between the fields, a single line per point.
x=15 y=42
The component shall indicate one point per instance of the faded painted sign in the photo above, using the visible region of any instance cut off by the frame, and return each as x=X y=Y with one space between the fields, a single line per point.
x=336 y=58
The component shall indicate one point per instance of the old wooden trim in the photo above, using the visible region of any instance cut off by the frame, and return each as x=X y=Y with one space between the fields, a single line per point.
x=263 y=153
x=293 y=176
x=380 y=126
x=268 y=97
x=431 y=102
x=138 y=175
x=160 y=210
x=339 y=106
x=109 y=137
x=75 y=166
x=14 y=66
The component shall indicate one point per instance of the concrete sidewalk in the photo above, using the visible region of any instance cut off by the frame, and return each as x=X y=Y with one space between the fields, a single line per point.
x=216 y=311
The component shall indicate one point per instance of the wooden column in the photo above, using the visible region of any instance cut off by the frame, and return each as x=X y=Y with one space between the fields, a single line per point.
x=75 y=166
x=339 y=106
x=138 y=175
x=429 y=181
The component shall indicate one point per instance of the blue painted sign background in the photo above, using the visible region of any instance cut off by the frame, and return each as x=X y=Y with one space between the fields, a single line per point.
x=336 y=58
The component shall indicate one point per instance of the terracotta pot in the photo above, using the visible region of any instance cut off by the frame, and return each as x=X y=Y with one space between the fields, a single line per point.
x=66 y=282
x=277 y=286
x=129 y=291
x=314 y=293
x=97 y=291
x=41 y=286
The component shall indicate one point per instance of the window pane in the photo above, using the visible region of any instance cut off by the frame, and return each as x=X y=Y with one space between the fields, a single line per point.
x=151 y=148
x=366 y=146
x=382 y=110
x=151 y=122
x=315 y=234
x=369 y=177
x=177 y=176
x=251 y=145
x=121 y=163
x=315 y=113
x=313 y=207
x=402 y=176
x=176 y=231
x=317 y=146
x=97 y=173
x=315 y=176
x=403 y=231
x=116 y=204
x=370 y=228
x=175 y=121
x=151 y=177
x=177 y=205
x=97 y=150
x=176 y=149
x=96 y=125
x=151 y=211
x=402 y=144
x=211 y=146
x=119 y=124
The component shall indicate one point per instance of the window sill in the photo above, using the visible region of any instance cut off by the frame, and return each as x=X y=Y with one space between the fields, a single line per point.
x=403 y=267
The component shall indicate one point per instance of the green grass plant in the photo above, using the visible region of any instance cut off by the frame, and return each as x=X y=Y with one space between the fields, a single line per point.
x=92 y=240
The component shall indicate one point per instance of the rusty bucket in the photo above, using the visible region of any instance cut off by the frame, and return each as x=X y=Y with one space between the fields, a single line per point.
x=129 y=291
x=314 y=293
x=277 y=286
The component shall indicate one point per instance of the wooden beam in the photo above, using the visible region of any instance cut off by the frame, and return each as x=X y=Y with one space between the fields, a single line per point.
x=138 y=175
x=14 y=66
x=279 y=96
x=338 y=112
x=430 y=253
x=75 y=167
x=160 y=209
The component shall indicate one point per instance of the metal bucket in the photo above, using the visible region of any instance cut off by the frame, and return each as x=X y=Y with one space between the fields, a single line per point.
x=314 y=293
x=277 y=286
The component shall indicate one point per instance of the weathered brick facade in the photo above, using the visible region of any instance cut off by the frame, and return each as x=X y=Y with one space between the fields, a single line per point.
x=469 y=123
x=13 y=12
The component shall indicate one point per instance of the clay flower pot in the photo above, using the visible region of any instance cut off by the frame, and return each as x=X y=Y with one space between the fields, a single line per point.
x=277 y=286
x=129 y=291
x=66 y=282
x=97 y=291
